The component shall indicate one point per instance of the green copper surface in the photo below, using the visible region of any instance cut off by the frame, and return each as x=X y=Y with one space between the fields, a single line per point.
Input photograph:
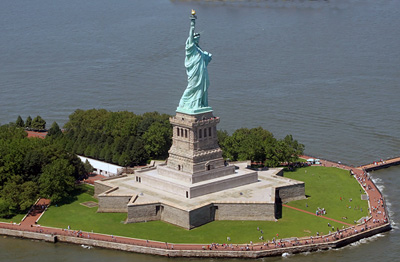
x=195 y=98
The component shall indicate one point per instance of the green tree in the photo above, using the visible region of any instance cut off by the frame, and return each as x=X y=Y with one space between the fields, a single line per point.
x=118 y=146
x=25 y=165
x=222 y=136
x=32 y=164
x=275 y=154
x=57 y=180
x=38 y=123
x=94 y=152
x=138 y=153
x=19 y=122
x=54 y=130
x=259 y=145
x=108 y=155
x=246 y=144
x=106 y=135
x=88 y=167
x=157 y=140
x=12 y=155
x=87 y=151
x=124 y=159
x=10 y=195
x=18 y=195
x=9 y=133
x=29 y=193
x=115 y=158
x=28 y=122
x=80 y=170
x=102 y=153
x=294 y=147
x=5 y=209
x=82 y=145
x=285 y=150
x=148 y=119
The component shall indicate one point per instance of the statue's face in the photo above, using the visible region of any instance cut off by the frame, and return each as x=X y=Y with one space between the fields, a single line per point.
x=197 y=39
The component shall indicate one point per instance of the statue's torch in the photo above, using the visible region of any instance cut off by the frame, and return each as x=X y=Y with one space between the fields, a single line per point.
x=193 y=16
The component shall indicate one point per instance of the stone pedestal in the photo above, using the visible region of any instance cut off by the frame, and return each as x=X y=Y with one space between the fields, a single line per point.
x=195 y=166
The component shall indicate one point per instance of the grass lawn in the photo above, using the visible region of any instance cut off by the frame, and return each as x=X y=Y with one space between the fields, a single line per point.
x=324 y=188
x=323 y=185
x=79 y=217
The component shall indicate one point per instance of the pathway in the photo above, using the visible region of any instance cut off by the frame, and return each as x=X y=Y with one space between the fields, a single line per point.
x=35 y=212
x=331 y=219
x=381 y=164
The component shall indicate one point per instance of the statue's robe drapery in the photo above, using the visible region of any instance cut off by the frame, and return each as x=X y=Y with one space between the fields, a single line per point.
x=196 y=61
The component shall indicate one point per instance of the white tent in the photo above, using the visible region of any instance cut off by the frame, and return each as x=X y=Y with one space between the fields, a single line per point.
x=100 y=167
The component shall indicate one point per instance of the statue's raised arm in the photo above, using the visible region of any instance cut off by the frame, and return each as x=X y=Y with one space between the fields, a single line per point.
x=195 y=98
x=191 y=31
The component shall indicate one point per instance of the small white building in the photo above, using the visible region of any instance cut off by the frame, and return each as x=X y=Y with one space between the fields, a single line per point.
x=102 y=168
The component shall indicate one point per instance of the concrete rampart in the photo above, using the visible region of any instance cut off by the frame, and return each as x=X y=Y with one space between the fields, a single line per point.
x=100 y=188
x=219 y=185
x=245 y=211
x=145 y=212
x=291 y=192
x=158 y=211
x=175 y=216
x=113 y=203
x=202 y=215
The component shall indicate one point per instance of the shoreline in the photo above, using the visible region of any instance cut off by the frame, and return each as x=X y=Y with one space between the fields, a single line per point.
x=377 y=222
x=150 y=249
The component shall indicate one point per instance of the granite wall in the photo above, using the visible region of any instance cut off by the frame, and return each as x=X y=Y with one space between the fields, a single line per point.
x=245 y=211
x=291 y=193
x=100 y=188
x=202 y=215
x=145 y=212
x=113 y=203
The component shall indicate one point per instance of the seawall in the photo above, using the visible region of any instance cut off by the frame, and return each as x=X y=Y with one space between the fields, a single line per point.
x=150 y=247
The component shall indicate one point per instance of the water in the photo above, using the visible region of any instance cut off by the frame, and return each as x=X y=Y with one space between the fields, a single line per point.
x=326 y=72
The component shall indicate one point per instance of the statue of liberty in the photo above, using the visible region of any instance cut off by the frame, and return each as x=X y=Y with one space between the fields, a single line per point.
x=195 y=98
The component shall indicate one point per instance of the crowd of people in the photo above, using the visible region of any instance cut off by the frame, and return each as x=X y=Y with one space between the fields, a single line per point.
x=320 y=211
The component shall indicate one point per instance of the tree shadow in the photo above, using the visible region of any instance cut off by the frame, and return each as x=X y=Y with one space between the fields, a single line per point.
x=73 y=196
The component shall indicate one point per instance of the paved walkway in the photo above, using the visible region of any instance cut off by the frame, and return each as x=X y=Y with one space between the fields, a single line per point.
x=35 y=212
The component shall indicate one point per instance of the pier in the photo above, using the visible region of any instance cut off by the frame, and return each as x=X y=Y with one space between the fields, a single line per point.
x=381 y=164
